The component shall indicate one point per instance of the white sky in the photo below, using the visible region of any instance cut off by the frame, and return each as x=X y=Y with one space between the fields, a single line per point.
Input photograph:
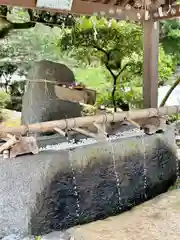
x=174 y=98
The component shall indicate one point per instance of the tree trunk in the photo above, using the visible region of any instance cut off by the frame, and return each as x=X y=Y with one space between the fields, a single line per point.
x=114 y=94
x=170 y=91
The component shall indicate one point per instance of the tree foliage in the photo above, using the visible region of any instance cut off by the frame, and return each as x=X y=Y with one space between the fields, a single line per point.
x=118 y=47
x=4 y=99
x=114 y=46
x=16 y=91
x=170 y=37
x=6 y=71
x=29 y=18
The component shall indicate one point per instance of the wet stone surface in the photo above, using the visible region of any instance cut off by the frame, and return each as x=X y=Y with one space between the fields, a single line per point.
x=89 y=190
x=57 y=189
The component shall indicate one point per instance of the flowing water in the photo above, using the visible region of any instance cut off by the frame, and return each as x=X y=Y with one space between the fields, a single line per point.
x=144 y=163
x=76 y=194
x=177 y=173
x=116 y=173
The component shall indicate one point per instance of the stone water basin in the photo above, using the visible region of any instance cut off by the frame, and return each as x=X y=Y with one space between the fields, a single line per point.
x=64 y=186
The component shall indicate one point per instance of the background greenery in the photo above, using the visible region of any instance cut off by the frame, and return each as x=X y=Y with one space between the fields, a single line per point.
x=106 y=55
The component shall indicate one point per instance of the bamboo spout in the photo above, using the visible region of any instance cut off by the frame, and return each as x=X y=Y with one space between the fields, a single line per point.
x=84 y=121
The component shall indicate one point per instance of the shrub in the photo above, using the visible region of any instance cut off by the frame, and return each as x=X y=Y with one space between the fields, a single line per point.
x=16 y=90
x=4 y=99
x=131 y=97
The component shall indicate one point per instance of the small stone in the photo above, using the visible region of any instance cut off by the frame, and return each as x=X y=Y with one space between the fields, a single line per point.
x=57 y=236
x=11 y=237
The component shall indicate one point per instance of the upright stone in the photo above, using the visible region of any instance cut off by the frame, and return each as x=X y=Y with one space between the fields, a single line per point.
x=40 y=102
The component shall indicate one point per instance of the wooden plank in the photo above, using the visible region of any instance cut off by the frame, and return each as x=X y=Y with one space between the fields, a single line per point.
x=20 y=3
x=86 y=96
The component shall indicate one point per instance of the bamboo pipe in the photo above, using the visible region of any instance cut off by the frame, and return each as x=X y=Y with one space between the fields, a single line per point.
x=61 y=132
x=8 y=144
x=84 y=121
x=84 y=132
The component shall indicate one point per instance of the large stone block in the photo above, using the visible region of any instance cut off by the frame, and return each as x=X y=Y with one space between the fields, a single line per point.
x=40 y=102
x=55 y=190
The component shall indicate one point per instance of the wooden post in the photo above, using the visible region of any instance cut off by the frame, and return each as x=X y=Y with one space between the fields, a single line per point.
x=150 y=83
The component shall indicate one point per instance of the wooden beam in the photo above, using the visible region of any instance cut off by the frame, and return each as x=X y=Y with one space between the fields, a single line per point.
x=19 y=3
x=80 y=7
x=168 y=13
x=150 y=76
x=110 y=10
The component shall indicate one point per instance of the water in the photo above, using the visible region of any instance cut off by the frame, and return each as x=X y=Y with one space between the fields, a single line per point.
x=87 y=141
x=126 y=131
x=175 y=126
x=116 y=173
x=76 y=194
x=144 y=163
x=177 y=173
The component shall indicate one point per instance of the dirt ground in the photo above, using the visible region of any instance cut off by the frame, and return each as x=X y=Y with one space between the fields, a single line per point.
x=12 y=118
x=157 y=219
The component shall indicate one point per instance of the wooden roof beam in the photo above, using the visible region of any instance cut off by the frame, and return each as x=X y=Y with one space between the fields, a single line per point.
x=168 y=13
x=108 y=8
x=86 y=7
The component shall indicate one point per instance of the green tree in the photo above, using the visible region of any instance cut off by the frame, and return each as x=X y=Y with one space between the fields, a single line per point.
x=16 y=91
x=27 y=18
x=24 y=45
x=6 y=72
x=170 y=37
x=114 y=45
x=118 y=47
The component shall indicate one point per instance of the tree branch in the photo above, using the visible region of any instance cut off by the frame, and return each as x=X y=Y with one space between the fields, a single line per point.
x=7 y=26
x=122 y=69
x=115 y=76
x=112 y=74
x=24 y=25
x=100 y=49
x=175 y=84
x=107 y=55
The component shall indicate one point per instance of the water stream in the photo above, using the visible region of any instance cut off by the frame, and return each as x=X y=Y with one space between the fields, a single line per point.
x=116 y=173
x=76 y=194
x=144 y=162
x=177 y=172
